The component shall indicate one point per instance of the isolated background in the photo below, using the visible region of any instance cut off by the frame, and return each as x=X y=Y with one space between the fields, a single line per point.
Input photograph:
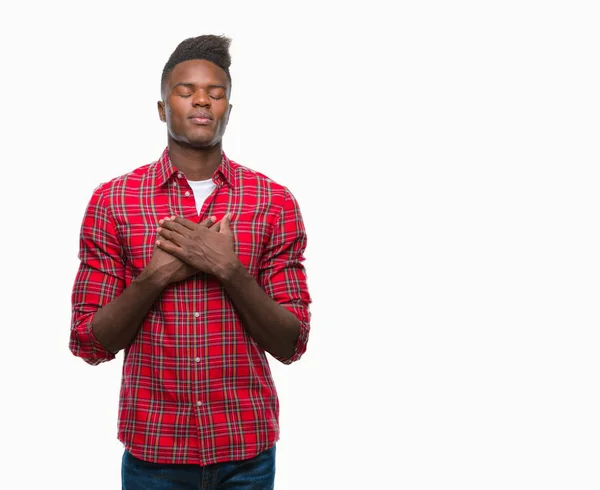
x=445 y=157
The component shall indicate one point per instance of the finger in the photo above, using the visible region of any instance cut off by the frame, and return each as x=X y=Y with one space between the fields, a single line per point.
x=216 y=227
x=190 y=225
x=225 y=222
x=174 y=226
x=170 y=248
x=208 y=222
x=171 y=236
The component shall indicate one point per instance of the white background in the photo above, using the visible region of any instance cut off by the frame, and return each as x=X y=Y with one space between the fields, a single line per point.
x=445 y=157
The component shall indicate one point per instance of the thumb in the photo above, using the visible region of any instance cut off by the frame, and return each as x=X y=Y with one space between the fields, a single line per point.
x=225 y=222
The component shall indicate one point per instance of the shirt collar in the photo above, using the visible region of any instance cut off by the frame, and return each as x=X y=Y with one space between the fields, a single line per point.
x=165 y=170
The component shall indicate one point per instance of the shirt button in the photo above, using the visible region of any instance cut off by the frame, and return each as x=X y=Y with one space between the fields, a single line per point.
x=199 y=403
x=180 y=175
x=196 y=314
x=174 y=184
x=187 y=193
x=197 y=359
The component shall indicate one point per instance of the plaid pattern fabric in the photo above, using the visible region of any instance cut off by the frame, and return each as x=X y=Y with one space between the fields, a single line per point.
x=196 y=388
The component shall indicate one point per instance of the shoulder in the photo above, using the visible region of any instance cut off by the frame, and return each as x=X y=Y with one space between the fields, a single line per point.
x=250 y=180
x=118 y=187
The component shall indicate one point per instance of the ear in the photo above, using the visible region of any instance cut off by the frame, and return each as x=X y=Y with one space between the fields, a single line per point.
x=229 y=113
x=161 y=111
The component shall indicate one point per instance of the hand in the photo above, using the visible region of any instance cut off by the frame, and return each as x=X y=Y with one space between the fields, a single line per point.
x=202 y=246
x=166 y=268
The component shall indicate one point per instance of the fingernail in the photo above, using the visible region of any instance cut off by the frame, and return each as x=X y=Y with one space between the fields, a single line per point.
x=161 y=221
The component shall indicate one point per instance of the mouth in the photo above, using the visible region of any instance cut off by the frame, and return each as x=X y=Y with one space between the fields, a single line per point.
x=201 y=118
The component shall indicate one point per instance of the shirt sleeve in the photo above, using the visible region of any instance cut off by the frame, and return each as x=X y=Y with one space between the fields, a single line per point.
x=282 y=275
x=100 y=279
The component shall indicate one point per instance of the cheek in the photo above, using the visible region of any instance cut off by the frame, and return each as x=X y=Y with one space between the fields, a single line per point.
x=224 y=119
x=174 y=120
x=174 y=111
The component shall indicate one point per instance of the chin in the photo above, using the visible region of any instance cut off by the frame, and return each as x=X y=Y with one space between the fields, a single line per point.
x=196 y=141
x=200 y=137
x=203 y=143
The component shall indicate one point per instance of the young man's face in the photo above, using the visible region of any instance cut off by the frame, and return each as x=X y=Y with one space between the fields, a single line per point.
x=195 y=103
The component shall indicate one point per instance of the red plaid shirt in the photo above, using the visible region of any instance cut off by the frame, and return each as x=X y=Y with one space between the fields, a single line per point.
x=196 y=388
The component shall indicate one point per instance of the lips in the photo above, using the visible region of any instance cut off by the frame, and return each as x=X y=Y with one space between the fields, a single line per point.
x=201 y=118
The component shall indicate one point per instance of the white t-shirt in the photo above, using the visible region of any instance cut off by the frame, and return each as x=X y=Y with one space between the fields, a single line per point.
x=202 y=189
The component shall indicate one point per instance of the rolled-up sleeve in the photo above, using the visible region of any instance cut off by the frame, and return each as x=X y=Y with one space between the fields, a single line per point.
x=100 y=279
x=282 y=275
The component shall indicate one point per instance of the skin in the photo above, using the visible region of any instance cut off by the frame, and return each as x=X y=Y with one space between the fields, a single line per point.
x=196 y=87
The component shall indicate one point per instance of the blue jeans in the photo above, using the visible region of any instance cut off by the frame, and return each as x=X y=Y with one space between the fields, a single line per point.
x=256 y=473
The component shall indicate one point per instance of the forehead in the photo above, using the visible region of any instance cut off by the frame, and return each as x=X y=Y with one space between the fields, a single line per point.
x=197 y=72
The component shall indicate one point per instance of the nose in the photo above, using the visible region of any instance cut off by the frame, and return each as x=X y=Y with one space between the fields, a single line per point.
x=201 y=98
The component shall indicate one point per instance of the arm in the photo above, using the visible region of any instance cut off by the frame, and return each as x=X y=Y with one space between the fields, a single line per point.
x=117 y=323
x=100 y=278
x=273 y=327
x=274 y=310
x=106 y=316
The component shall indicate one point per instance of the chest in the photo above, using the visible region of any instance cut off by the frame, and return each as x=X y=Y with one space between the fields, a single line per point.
x=137 y=216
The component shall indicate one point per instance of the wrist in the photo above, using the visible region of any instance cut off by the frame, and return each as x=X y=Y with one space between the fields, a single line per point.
x=152 y=279
x=230 y=271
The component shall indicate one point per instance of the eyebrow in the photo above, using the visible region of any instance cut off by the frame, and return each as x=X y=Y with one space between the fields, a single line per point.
x=193 y=86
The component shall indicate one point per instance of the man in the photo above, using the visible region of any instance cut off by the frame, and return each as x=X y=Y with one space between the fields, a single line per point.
x=193 y=266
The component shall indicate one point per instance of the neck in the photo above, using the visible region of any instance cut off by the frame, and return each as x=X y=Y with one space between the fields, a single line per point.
x=195 y=163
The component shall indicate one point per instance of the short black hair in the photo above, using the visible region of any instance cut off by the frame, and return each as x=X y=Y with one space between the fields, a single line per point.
x=206 y=47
